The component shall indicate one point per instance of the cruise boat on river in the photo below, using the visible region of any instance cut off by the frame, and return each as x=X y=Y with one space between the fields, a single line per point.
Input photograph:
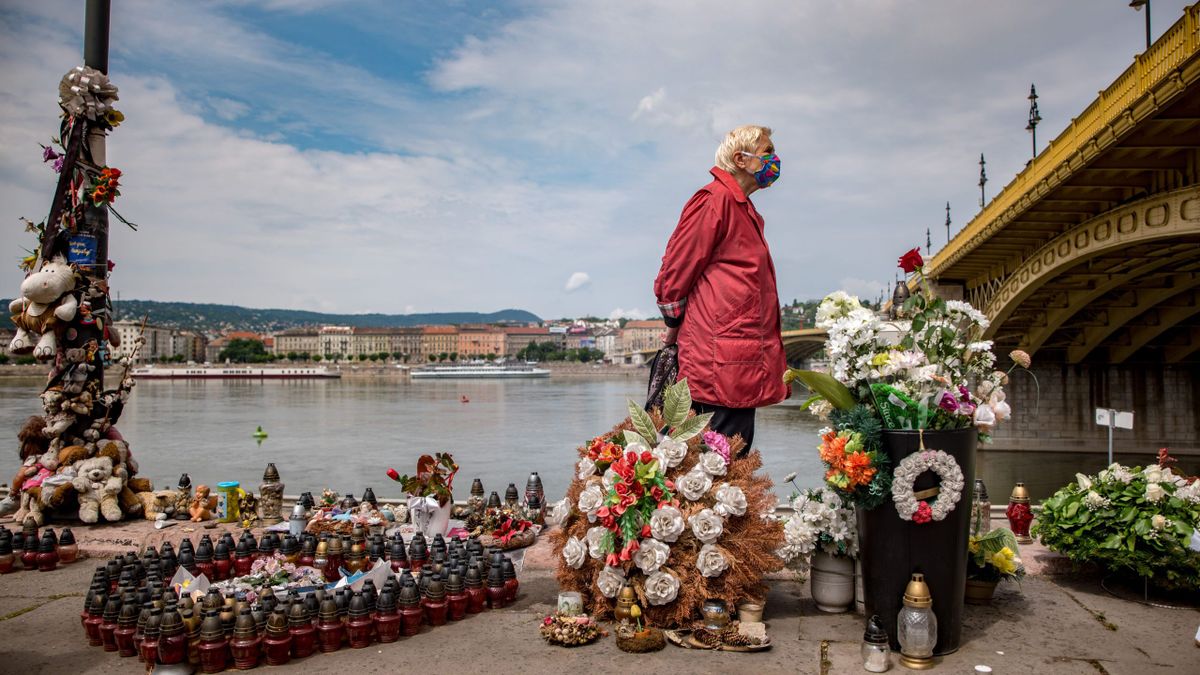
x=480 y=372
x=234 y=373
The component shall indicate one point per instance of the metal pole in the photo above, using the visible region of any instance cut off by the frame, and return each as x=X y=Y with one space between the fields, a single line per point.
x=1112 y=420
x=95 y=55
x=1147 y=25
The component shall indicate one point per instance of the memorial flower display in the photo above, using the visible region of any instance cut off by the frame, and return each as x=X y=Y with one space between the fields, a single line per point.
x=994 y=557
x=658 y=504
x=821 y=520
x=1133 y=520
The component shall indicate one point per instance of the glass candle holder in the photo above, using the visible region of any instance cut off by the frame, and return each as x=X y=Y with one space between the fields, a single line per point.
x=570 y=603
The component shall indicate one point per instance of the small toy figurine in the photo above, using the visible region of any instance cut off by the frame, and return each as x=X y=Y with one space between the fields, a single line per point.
x=202 y=504
x=248 y=508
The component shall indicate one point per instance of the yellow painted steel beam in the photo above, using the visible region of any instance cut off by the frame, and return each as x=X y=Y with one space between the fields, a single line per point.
x=1166 y=319
x=1155 y=79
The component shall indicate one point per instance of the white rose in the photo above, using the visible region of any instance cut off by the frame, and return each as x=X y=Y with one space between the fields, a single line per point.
x=1158 y=521
x=707 y=526
x=661 y=588
x=610 y=581
x=586 y=467
x=712 y=464
x=672 y=451
x=610 y=479
x=595 y=538
x=731 y=501
x=694 y=484
x=636 y=447
x=651 y=555
x=985 y=417
x=591 y=499
x=556 y=514
x=574 y=552
x=1154 y=492
x=666 y=524
x=1153 y=474
x=1085 y=483
x=710 y=562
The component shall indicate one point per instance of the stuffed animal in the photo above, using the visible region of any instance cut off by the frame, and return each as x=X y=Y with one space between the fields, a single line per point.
x=202 y=504
x=33 y=444
x=46 y=299
x=154 y=503
x=98 y=484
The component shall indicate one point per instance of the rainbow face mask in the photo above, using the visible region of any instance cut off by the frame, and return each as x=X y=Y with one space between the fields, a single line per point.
x=769 y=172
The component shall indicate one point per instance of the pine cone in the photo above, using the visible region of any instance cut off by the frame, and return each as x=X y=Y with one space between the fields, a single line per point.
x=707 y=638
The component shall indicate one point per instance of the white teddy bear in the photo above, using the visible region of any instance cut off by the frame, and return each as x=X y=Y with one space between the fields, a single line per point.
x=98 y=486
x=46 y=298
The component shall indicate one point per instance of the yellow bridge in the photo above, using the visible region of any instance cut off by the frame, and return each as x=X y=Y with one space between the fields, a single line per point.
x=1092 y=252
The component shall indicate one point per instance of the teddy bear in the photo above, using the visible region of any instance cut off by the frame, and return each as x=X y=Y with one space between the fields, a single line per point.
x=160 y=502
x=46 y=299
x=98 y=483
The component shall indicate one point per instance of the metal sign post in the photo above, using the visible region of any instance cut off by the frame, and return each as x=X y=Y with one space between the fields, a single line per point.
x=1113 y=419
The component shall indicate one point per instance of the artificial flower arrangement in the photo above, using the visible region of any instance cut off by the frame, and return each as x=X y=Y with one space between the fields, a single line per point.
x=570 y=631
x=994 y=557
x=329 y=517
x=1128 y=519
x=434 y=478
x=667 y=512
x=273 y=572
x=821 y=520
x=508 y=527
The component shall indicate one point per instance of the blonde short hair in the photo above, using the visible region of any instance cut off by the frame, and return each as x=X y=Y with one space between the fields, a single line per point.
x=741 y=139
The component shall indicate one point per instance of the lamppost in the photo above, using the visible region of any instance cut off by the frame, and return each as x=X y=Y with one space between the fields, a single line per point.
x=982 y=179
x=1034 y=117
x=1137 y=6
x=947 y=222
x=928 y=243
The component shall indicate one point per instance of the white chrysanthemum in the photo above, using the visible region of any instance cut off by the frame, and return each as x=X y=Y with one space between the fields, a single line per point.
x=731 y=500
x=661 y=588
x=574 y=552
x=651 y=555
x=707 y=526
x=666 y=523
x=712 y=464
x=710 y=561
x=693 y=484
x=610 y=581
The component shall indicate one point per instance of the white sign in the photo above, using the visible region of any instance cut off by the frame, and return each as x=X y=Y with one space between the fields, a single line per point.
x=1107 y=417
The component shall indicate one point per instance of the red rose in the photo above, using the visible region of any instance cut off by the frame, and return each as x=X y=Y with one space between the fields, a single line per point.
x=621 y=488
x=645 y=531
x=647 y=457
x=656 y=492
x=393 y=474
x=911 y=261
x=670 y=484
x=602 y=512
x=612 y=560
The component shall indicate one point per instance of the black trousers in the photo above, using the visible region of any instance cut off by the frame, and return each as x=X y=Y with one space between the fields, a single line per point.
x=730 y=421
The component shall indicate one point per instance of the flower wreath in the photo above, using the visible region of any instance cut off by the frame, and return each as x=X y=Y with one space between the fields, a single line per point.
x=920 y=511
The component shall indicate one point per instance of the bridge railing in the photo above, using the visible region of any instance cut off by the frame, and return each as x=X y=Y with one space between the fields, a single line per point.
x=1149 y=69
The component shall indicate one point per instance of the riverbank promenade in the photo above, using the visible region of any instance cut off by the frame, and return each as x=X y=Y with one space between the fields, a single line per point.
x=1059 y=620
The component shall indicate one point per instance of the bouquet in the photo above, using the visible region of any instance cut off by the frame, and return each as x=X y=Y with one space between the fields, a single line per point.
x=1128 y=519
x=659 y=505
x=821 y=520
x=994 y=557
x=434 y=478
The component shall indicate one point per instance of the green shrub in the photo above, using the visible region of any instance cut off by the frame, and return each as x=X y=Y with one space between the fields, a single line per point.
x=1135 y=520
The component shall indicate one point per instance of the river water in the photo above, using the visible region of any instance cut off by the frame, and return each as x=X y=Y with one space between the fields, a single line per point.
x=344 y=434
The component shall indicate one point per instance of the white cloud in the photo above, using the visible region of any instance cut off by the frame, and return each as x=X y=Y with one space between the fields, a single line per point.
x=577 y=281
x=635 y=314
x=866 y=290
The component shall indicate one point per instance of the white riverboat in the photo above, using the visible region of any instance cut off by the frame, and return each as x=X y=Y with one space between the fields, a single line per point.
x=477 y=372
x=234 y=373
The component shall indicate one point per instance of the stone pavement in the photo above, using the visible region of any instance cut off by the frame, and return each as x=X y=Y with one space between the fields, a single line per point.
x=1052 y=623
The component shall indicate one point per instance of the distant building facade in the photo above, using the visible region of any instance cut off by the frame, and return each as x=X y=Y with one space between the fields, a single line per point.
x=641 y=336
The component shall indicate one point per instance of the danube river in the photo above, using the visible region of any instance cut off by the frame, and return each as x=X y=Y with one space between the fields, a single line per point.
x=344 y=434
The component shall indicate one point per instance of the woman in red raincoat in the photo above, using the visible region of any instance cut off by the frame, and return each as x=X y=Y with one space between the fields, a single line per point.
x=716 y=289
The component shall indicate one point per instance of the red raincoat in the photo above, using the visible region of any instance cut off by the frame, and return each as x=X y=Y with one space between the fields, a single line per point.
x=717 y=273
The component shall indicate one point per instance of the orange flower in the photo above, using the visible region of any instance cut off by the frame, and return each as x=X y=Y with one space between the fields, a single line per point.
x=833 y=449
x=858 y=468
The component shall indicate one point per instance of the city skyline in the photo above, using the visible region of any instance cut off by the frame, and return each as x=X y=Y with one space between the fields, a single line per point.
x=456 y=158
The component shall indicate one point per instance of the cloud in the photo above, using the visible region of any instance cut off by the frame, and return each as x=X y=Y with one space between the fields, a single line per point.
x=635 y=314
x=577 y=281
x=866 y=290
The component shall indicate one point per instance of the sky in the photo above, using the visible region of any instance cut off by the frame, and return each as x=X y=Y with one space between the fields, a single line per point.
x=394 y=156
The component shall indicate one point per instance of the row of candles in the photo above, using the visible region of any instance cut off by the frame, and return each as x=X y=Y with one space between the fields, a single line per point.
x=23 y=549
x=130 y=610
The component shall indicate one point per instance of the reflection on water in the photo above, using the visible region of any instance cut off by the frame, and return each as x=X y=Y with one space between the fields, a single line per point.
x=344 y=434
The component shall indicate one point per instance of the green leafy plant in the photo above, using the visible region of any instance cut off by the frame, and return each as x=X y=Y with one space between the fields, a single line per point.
x=677 y=403
x=994 y=557
x=1132 y=520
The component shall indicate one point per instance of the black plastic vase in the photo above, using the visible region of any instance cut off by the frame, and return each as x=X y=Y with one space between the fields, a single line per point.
x=891 y=549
